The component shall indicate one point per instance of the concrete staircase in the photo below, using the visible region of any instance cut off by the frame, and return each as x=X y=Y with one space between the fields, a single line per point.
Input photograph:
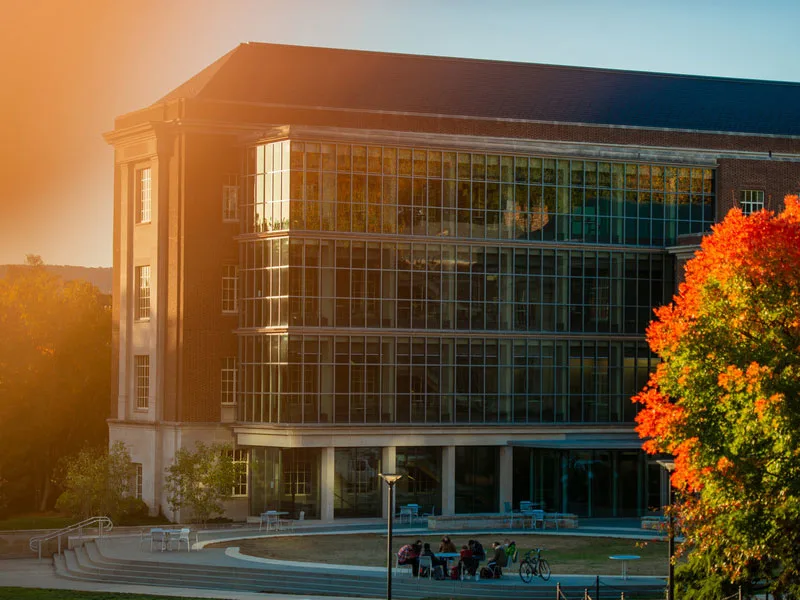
x=87 y=563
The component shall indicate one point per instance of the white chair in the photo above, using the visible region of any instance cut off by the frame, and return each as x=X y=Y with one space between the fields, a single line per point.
x=406 y=513
x=553 y=518
x=414 y=508
x=145 y=536
x=537 y=518
x=183 y=537
x=269 y=520
x=398 y=566
x=158 y=536
x=425 y=562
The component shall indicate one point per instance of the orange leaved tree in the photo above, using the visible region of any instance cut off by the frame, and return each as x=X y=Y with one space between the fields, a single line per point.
x=725 y=401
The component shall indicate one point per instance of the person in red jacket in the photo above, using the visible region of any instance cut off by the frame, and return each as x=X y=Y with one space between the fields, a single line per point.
x=409 y=555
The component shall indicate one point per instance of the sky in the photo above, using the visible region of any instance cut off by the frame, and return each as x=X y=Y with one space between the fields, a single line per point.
x=69 y=67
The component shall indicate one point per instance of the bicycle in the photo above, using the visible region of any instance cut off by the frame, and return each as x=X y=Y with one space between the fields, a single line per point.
x=533 y=564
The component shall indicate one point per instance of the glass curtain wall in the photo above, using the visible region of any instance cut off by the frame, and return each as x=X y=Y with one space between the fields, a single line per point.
x=588 y=483
x=356 y=486
x=285 y=479
x=444 y=286
x=422 y=481
x=370 y=379
x=317 y=186
x=477 y=482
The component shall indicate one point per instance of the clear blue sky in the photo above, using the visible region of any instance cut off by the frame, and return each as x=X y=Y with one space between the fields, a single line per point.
x=69 y=68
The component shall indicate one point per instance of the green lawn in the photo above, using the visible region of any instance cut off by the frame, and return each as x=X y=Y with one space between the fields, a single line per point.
x=566 y=554
x=15 y=593
x=36 y=522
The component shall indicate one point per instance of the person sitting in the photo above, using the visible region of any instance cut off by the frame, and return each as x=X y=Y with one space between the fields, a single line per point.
x=465 y=561
x=439 y=564
x=447 y=545
x=409 y=555
x=498 y=560
x=511 y=551
x=477 y=554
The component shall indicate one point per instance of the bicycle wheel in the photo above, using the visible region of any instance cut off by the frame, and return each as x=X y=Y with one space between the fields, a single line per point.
x=526 y=571
x=544 y=569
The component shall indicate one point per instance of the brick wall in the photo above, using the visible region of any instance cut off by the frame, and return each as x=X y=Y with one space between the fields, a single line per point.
x=775 y=178
x=208 y=334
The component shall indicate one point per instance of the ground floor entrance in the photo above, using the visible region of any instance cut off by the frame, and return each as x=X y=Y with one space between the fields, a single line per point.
x=344 y=482
x=588 y=483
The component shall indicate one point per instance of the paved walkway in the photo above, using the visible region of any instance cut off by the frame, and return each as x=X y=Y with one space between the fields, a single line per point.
x=33 y=573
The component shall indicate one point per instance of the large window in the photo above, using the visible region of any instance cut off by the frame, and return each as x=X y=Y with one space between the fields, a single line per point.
x=241 y=467
x=137 y=481
x=230 y=203
x=422 y=484
x=230 y=288
x=143 y=196
x=357 y=487
x=297 y=477
x=432 y=379
x=477 y=483
x=752 y=201
x=286 y=479
x=142 y=374
x=228 y=380
x=142 y=292
x=315 y=186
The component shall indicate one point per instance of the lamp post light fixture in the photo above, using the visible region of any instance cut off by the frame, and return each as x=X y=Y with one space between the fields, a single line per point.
x=390 y=479
x=669 y=466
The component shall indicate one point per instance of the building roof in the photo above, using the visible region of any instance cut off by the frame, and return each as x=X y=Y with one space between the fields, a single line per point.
x=403 y=83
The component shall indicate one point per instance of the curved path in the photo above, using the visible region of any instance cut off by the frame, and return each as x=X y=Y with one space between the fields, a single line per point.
x=118 y=562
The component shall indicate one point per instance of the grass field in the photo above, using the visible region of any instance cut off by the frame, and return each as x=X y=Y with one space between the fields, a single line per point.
x=566 y=554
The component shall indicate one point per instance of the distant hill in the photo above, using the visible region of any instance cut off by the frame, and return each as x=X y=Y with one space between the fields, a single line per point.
x=99 y=276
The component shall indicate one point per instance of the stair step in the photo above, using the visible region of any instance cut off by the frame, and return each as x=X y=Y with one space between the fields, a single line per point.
x=88 y=563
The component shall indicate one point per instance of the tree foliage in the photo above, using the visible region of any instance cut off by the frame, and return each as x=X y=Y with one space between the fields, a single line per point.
x=55 y=372
x=725 y=401
x=99 y=482
x=201 y=480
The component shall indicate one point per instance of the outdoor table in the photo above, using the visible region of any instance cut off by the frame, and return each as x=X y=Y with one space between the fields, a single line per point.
x=273 y=518
x=408 y=512
x=624 y=558
x=449 y=557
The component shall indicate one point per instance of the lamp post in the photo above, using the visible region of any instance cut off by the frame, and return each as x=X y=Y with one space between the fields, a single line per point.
x=669 y=465
x=390 y=479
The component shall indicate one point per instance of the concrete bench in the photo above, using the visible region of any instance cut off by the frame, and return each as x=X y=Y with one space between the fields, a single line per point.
x=498 y=521
x=654 y=522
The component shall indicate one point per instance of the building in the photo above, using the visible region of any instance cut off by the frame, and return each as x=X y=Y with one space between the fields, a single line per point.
x=347 y=262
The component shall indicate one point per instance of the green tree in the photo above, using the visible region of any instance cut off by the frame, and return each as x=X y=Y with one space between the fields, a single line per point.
x=725 y=401
x=55 y=374
x=201 y=480
x=99 y=482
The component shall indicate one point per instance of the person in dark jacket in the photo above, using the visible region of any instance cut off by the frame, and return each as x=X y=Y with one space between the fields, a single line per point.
x=435 y=561
x=498 y=560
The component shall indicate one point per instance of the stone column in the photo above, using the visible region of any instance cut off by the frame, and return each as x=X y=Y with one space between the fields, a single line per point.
x=448 y=480
x=506 y=486
x=388 y=465
x=327 y=483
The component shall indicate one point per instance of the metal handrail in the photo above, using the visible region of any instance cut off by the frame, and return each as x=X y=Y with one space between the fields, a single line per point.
x=35 y=543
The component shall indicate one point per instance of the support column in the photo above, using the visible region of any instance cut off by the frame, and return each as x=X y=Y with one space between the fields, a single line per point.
x=506 y=477
x=327 y=484
x=448 y=480
x=388 y=465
